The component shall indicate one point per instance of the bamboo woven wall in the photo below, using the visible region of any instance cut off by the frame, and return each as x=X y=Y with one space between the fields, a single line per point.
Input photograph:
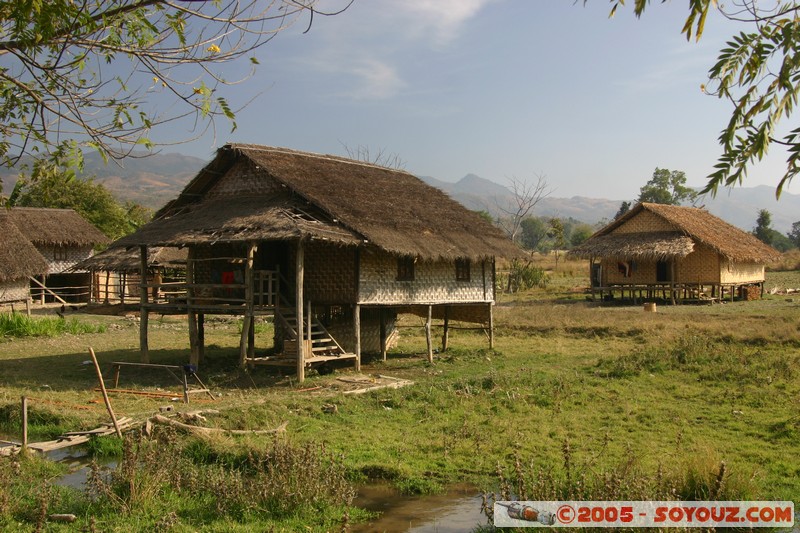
x=700 y=266
x=344 y=333
x=645 y=221
x=732 y=272
x=14 y=291
x=74 y=255
x=243 y=178
x=329 y=274
x=434 y=282
x=641 y=272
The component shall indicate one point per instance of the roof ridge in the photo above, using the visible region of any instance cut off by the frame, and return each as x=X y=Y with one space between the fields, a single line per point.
x=326 y=157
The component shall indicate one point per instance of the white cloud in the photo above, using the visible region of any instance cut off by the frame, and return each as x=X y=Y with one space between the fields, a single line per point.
x=377 y=80
x=444 y=17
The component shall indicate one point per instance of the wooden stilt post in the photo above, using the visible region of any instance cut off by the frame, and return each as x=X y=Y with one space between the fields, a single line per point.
x=491 y=325
x=301 y=346
x=383 y=333
x=446 y=332
x=44 y=284
x=357 y=331
x=92 y=274
x=194 y=356
x=308 y=329
x=201 y=336
x=672 y=280
x=247 y=321
x=251 y=338
x=143 y=312
x=123 y=287
x=428 y=333
x=28 y=306
x=24 y=424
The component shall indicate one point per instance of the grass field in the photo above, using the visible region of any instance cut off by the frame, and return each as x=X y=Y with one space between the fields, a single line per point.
x=574 y=389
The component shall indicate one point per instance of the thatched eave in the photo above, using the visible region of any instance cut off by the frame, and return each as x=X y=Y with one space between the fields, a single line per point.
x=55 y=227
x=651 y=246
x=19 y=258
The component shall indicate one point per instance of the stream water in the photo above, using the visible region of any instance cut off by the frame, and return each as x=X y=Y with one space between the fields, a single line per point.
x=456 y=511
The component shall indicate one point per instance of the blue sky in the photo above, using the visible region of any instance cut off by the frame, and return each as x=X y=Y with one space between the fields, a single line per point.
x=499 y=88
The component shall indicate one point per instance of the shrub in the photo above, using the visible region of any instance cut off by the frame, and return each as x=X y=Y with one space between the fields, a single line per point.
x=19 y=325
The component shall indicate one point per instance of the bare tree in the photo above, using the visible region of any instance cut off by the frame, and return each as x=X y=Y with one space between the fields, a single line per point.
x=524 y=198
x=380 y=157
x=86 y=73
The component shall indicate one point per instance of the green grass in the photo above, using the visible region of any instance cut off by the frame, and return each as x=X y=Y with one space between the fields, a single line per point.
x=19 y=325
x=632 y=395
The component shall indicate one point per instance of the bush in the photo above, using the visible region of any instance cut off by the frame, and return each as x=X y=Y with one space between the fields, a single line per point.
x=523 y=276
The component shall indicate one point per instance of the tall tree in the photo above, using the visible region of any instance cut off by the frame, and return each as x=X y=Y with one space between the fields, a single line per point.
x=524 y=198
x=624 y=207
x=758 y=72
x=534 y=232
x=667 y=187
x=556 y=234
x=794 y=234
x=56 y=187
x=763 y=229
x=82 y=73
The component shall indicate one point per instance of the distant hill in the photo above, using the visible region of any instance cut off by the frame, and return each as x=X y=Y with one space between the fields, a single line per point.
x=156 y=179
x=150 y=181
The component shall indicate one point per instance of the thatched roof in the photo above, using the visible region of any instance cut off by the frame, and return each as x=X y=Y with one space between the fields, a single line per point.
x=55 y=227
x=120 y=259
x=324 y=197
x=18 y=256
x=688 y=222
x=642 y=246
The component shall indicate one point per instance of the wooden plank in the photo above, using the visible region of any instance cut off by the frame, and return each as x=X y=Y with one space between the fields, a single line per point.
x=428 y=333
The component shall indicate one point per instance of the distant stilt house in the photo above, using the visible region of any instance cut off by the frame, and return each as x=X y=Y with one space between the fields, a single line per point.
x=63 y=239
x=117 y=279
x=332 y=248
x=19 y=260
x=674 y=253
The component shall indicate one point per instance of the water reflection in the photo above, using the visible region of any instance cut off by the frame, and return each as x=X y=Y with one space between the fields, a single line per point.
x=457 y=511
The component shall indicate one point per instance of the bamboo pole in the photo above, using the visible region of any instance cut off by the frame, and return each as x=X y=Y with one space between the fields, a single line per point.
x=428 y=333
x=383 y=333
x=357 y=331
x=491 y=326
x=301 y=346
x=446 y=332
x=143 y=313
x=105 y=394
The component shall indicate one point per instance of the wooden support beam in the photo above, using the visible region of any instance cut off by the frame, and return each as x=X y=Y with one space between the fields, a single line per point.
x=428 y=333
x=446 y=332
x=383 y=333
x=301 y=345
x=247 y=321
x=491 y=325
x=251 y=338
x=105 y=394
x=357 y=331
x=201 y=337
x=144 y=349
x=194 y=354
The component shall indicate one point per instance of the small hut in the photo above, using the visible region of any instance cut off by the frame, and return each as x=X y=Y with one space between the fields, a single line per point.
x=674 y=253
x=63 y=238
x=332 y=248
x=116 y=273
x=19 y=260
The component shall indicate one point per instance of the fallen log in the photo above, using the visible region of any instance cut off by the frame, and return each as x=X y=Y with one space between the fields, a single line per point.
x=201 y=431
x=392 y=385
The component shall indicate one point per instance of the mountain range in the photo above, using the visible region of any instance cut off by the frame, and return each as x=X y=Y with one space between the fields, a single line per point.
x=153 y=180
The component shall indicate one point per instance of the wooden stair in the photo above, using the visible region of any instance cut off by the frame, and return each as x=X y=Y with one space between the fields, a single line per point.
x=322 y=342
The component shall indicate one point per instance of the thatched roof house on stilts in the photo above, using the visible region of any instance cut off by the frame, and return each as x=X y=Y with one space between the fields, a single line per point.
x=19 y=260
x=116 y=272
x=62 y=238
x=332 y=248
x=674 y=253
